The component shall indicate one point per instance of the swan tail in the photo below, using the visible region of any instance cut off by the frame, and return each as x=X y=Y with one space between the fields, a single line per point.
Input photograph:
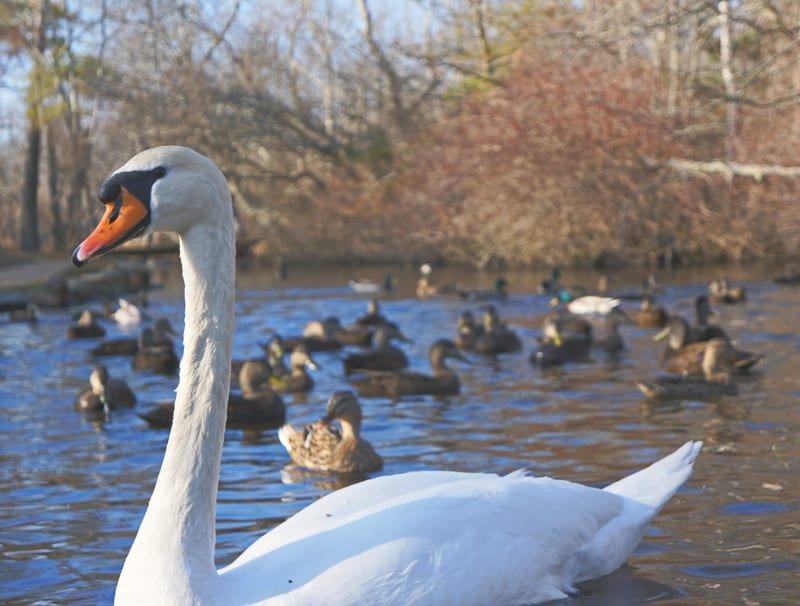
x=655 y=485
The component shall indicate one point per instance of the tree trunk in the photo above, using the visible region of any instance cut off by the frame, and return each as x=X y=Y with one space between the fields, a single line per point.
x=30 y=189
x=57 y=228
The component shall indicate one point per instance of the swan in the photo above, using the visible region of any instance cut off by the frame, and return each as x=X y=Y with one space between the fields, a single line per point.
x=425 y=537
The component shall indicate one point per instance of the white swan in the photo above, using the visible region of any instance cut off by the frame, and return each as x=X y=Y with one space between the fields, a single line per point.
x=431 y=537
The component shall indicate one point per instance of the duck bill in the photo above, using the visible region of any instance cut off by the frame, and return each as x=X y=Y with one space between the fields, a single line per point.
x=662 y=334
x=124 y=218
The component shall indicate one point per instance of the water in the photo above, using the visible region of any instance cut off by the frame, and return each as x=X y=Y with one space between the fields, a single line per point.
x=73 y=492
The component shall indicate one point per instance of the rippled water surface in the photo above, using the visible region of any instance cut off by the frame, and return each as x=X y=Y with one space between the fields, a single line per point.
x=73 y=493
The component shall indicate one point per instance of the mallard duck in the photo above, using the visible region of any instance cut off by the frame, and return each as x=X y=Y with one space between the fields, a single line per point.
x=587 y=304
x=256 y=407
x=383 y=356
x=320 y=446
x=427 y=288
x=86 y=327
x=367 y=285
x=373 y=315
x=550 y=285
x=651 y=315
x=155 y=354
x=104 y=394
x=684 y=357
x=318 y=335
x=498 y=293
x=468 y=331
x=557 y=347
x=443 y=381
x=719 y=291
x=791 y=275
x=387 y=540
x=162 y=332
x=713 y=383
x=297 y=379
x=612 y=342
x=496 y=337
x=28 y=313
x=702 y=330
x=127 y=314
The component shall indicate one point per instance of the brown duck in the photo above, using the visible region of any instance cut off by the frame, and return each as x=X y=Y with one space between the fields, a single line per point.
x=104 y=394
x=155 y=353
x=322 y=447
x=297 y=379
x=162 y=329
x=443 y=381
x=497 y=337
x=713 y=383
x=256 y=407
x=651 y=315
x=86 y=327
x=383 y=356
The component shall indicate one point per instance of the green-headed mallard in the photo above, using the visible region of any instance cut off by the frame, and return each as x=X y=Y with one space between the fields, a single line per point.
x=322 y=447
x=713 y=383
x=550 y=285
x=368 y=285
x=443 y=381
x=496 y=337
x=86 y=327
x=587 y=304
x=383 y=356
x=104 y=394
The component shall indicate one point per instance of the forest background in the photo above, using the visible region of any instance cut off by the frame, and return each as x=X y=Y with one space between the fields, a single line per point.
x=526 y=132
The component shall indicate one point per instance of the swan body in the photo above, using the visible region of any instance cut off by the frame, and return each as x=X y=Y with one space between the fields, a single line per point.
x=427 y=537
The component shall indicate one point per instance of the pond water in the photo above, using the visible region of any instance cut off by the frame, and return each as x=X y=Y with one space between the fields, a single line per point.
x=73 y=492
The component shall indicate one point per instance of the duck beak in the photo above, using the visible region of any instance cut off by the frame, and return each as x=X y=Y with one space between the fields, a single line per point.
x=124 y=218
x=310 y=364
x=662 y=334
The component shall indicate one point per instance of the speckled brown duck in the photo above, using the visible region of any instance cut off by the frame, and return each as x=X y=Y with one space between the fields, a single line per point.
x=162 y=333
x=684 y=357
x=650 y=314
x=322 y=447
x=713 y=383
x=442 y=381
x=383 y=356
x=720 y=291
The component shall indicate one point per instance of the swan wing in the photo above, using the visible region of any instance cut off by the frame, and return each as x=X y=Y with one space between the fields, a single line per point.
x=428 y=538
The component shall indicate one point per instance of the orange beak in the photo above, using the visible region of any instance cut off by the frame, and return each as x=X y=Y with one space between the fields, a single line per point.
x=125 y=218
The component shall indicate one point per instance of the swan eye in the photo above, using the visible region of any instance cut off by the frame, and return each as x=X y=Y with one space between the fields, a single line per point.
x=159 y=172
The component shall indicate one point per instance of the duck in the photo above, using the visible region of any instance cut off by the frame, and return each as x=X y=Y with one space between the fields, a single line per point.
x=612 y=342
x=321 y=447
x=427 y=288
x=443 y=381
x=373 y=316
x=497 y=337
x=255 y=407
x=551 y=284
x=86 y=327
x=684 y=357
x=586 y=304
x=29 y=313
x=161 y=331
x=714 y=382
x=318 y=335
x=297 y=379
x=557 y=347
x=368 y=285
x=105 y=393
x=498 y=293
x=719 y=291
x=383 y=356
x=469 y=331
x=390 y=539
x=127 y=314
x=155 y=352
x=791 y=275
x=702 y=330
x=650 y=314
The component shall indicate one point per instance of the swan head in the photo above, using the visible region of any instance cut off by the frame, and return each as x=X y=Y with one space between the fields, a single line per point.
x=159 y=189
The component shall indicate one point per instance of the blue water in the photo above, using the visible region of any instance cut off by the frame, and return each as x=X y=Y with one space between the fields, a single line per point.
x=73 y=492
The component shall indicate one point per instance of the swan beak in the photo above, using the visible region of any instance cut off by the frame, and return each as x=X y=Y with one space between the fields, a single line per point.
x=124 y=218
